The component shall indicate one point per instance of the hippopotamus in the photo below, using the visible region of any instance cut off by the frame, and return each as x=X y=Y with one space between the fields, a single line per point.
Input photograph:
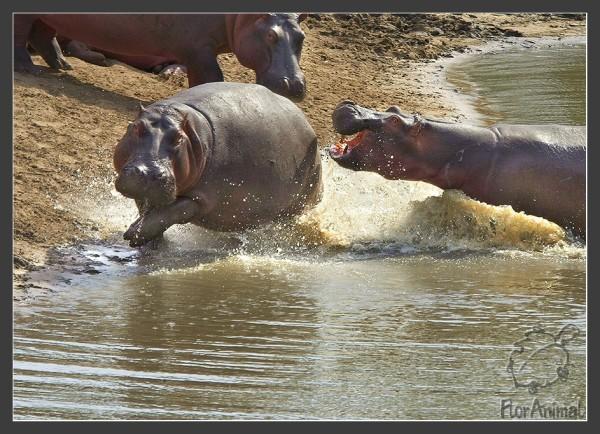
x=270 y=44
x=537 y=169
x=225 y=156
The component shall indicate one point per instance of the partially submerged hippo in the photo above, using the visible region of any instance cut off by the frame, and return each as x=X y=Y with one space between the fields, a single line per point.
x=226 y=156
x=538 y=169
x=270 y=44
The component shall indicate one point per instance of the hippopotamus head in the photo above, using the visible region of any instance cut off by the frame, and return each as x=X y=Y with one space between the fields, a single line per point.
x=158 y=157
x=271 y=44
x=389 y=143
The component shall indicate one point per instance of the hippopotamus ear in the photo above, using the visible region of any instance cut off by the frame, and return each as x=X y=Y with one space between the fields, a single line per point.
x=395 y=120
x=261 y=18
x=399 y=122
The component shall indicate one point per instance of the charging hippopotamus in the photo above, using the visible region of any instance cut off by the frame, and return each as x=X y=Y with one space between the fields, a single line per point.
x=270 y=44
x=538 y=169
x=226 y=156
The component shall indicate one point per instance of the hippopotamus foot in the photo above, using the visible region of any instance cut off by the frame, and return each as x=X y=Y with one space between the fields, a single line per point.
x=152 y=223
x=169 y=70
x=42 y=39
x=58 y=62
x=83 y=52
x=23 y=62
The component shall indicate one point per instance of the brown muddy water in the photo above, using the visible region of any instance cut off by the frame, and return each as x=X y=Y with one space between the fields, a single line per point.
x=388 y=301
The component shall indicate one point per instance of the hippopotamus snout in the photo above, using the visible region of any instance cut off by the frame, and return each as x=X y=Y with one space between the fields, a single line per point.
x=293 y=88
x=349 y=118
x=152 y=181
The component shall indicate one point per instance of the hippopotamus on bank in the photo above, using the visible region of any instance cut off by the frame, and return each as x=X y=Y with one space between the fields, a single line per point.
x=226 y=156
x=270 y=44
x=538 y=169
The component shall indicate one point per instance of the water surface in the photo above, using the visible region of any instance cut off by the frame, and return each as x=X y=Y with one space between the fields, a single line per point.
x=523 y=85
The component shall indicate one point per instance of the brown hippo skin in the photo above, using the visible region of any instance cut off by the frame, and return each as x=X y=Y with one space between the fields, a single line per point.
x=538 y=169
x=225 y=156
x=99 y=57
x=270 y=44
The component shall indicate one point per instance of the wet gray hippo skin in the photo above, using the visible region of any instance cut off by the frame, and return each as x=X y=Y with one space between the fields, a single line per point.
x=226 y=156
x=270 y=44
x=538 y=169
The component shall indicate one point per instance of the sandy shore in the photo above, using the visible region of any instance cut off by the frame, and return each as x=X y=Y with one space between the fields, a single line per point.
x=66 y=123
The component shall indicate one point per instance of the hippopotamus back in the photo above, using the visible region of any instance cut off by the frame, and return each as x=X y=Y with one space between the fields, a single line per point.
x=264 y=153
x=252 y=124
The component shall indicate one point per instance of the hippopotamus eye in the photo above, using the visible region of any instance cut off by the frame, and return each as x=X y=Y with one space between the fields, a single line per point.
x=138 y=128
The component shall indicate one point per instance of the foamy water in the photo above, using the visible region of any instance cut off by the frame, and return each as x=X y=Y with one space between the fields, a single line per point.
x=359 y=212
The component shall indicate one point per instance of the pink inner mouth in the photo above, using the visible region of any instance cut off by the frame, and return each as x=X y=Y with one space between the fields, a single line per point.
x=346 y=144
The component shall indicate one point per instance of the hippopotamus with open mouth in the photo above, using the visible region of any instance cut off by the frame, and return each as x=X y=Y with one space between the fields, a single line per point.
x=270 y=44
x=538 y=169
x=225 y=156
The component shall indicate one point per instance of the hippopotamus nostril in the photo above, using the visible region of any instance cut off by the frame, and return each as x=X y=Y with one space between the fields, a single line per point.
x=135 y=170
x=284 y=84
x=162 y=175
x=297 y=87
x=294 y=89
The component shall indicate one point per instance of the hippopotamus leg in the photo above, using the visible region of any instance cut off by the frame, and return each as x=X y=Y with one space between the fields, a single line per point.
x=22 y=60
x=151 y=224
x=202 y=67
x=42 y=39
x=82 y=51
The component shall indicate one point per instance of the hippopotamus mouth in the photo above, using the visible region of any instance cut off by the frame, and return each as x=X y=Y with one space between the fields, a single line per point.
x=346 y=144
x=358 y=127
x=150 y=182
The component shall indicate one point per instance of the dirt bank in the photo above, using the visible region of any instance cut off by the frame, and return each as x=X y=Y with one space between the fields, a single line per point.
x=66 y=123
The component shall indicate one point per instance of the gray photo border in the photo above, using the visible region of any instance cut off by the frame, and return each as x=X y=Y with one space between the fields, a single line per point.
x=262 y=6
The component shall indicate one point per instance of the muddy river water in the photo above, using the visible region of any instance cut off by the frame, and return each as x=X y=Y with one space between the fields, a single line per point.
x=385 y=302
